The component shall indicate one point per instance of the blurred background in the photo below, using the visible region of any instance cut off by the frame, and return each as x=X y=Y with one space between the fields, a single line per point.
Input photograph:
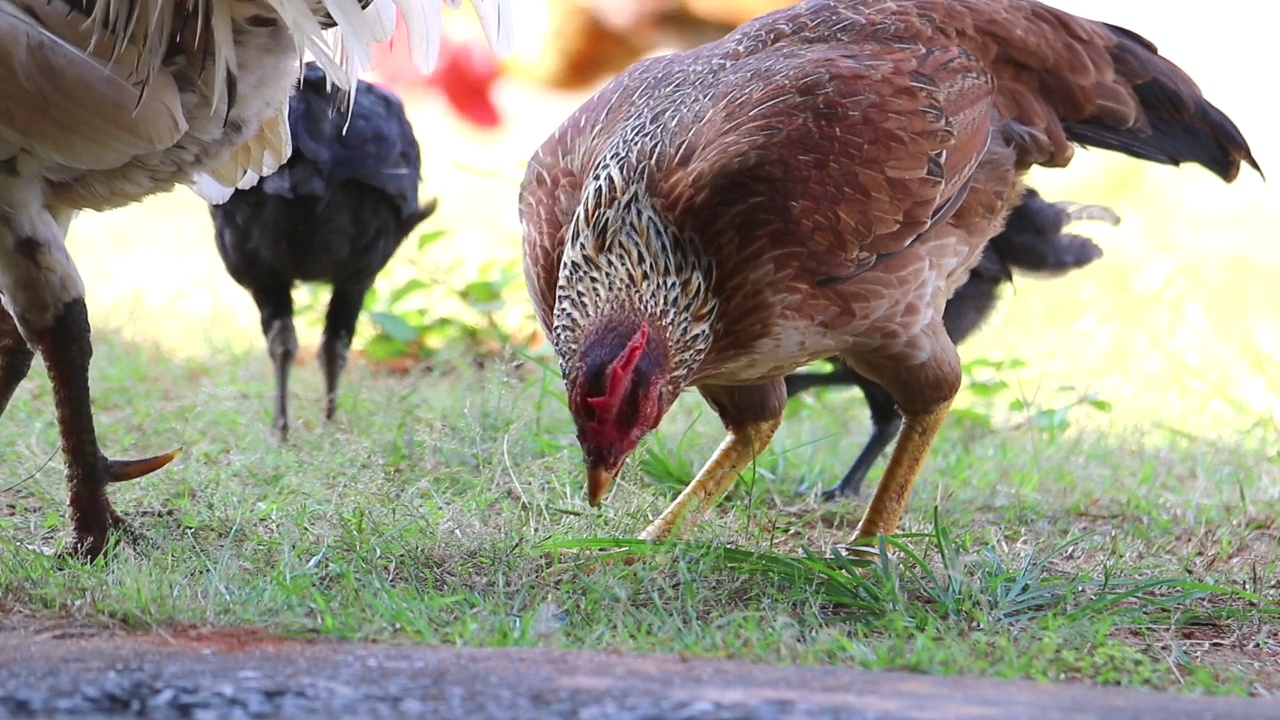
x=1176 y=326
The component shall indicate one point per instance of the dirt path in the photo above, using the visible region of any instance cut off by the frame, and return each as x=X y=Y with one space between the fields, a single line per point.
x=52 y=672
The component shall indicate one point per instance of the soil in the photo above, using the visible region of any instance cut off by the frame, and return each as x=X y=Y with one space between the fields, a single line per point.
x=61 y=671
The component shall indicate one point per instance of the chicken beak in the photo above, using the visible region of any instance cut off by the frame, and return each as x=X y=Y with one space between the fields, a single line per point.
x=598 y=482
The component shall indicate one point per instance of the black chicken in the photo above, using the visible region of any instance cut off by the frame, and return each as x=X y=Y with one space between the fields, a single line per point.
x=335 y=212
x=1032 y=241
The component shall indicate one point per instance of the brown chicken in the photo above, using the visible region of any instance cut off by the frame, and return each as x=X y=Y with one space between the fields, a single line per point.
x=817 y=183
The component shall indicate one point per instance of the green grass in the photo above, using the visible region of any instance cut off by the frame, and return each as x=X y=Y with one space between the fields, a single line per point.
x=438 y=508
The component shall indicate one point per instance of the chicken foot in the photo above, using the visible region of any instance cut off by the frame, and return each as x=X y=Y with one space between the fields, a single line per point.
x=15 y=358
x=66 y=350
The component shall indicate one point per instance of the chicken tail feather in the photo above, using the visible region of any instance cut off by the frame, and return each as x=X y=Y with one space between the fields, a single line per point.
x=1182 y=126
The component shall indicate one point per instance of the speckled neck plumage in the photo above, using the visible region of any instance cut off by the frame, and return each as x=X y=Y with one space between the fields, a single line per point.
x=626 y=262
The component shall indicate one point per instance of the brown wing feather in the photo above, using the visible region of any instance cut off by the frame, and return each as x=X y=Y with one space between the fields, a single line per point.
x=813 y=160
x=881 y=138
x=819 y=142
x=1069 y=80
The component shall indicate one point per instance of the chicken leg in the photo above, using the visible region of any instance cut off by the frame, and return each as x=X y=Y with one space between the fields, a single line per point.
x=66 y=350
x=751 y=414
x=923 y=391
x=918 y=432
x=275 y=304
x=44 y=306
x=15 y=358
x=339 y=327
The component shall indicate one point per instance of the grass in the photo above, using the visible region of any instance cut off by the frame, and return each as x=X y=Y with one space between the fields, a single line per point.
x=448 y=508
x=1121 y=531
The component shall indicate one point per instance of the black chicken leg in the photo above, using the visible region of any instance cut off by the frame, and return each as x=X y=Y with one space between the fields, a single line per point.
x=66 y=350
x=15 y=358
x=339 y=327
x=886 y=422
x=275 y=303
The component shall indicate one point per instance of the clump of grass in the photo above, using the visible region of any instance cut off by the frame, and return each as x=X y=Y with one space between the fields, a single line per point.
x=948 y=583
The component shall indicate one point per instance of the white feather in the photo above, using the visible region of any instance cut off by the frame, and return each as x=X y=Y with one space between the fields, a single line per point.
x=210 y=190
x=131 y=39
x=383 y=16
x=495 y=18
x=425 y=25
x=346 y=50
x=355 y=42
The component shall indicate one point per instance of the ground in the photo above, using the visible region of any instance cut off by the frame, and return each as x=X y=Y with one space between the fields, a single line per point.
x=191 y=672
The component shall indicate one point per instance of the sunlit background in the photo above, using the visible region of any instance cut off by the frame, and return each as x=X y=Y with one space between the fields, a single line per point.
x=1175 y=326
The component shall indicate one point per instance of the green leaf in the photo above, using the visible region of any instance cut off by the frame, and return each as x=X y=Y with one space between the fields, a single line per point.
x=988 y=388
x=1053 y=420
x=972 y=417
x=395 y=326
x=408 y=288
x=382 y=347
x=481 y=291
x=427 y=238
x=1098 y=403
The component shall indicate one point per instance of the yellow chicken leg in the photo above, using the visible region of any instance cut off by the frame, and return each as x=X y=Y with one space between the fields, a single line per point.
x=737 y=451
x=881 y=517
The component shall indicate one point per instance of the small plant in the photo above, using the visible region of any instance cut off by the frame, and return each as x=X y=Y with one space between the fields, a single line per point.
x=432 y=313
x=995 y=397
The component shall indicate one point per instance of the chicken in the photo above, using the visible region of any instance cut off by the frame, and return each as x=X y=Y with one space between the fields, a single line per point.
x=1032 y=241
x=335 y=212
x=817 y=183
x=107 y=101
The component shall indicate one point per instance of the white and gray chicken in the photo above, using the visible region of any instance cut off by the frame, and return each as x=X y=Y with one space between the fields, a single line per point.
x=103 y=102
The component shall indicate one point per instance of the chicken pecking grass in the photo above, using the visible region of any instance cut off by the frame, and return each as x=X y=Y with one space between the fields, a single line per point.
x=817 y=183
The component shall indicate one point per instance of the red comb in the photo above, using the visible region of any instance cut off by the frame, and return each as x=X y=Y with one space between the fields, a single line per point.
x=618 y=378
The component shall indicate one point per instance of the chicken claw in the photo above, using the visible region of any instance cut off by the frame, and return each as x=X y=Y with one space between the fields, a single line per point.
x=1098 y=213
